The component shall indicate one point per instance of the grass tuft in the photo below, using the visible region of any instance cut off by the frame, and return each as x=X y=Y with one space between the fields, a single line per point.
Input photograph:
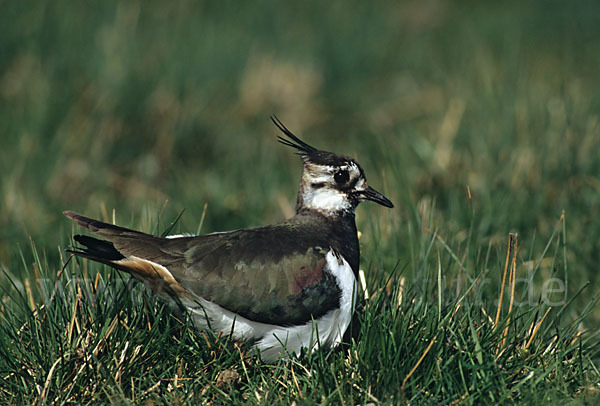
x=87 y=333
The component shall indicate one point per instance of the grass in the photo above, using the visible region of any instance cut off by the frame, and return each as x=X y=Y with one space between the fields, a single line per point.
x=96 y=336
x=479 y=121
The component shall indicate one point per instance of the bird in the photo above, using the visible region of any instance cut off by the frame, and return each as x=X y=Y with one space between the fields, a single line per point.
x=285 y=288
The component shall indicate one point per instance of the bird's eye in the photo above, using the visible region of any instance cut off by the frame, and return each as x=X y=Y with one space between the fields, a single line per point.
x=341 y=177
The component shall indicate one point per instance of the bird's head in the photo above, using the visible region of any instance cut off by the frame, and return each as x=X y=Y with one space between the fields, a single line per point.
x=331 y=184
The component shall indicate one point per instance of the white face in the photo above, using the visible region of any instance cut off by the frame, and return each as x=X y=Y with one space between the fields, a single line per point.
x=325 y=188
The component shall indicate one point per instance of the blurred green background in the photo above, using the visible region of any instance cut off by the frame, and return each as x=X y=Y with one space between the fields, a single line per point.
x=150 y=108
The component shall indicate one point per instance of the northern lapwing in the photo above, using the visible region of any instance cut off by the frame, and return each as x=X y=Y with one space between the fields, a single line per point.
x=284 y=287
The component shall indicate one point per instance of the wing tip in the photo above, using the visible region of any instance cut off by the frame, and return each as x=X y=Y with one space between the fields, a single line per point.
x=70 y=214
x=81 y=220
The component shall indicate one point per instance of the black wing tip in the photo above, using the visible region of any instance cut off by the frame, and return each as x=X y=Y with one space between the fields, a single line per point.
x=293 y=141
x=96 y=248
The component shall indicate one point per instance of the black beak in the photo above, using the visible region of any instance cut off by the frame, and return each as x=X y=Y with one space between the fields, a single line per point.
x=371 y=194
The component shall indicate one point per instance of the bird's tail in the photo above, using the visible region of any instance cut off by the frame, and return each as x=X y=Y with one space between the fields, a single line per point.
x=136 y=253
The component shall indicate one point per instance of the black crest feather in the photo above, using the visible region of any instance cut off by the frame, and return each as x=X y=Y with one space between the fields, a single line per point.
x=303 y=148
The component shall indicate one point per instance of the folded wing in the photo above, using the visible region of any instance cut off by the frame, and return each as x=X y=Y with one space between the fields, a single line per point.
x=252 y=272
